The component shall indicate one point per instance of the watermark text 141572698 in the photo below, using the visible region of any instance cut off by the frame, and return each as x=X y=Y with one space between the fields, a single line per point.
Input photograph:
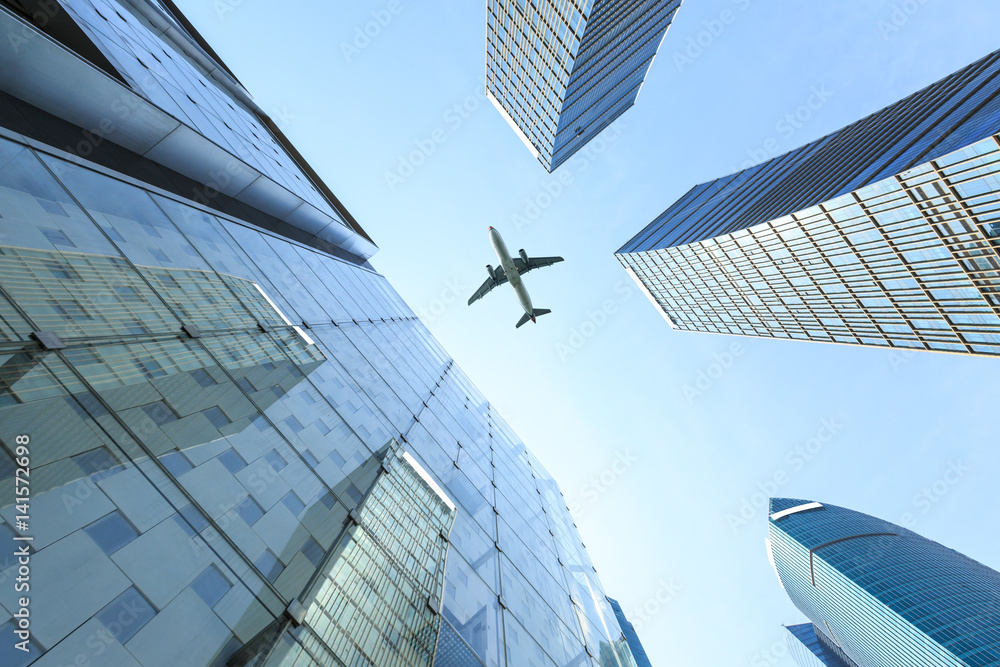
x=22 y=583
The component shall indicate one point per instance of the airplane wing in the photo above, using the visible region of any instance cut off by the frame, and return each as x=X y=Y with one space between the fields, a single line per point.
x=535 y=263
x=488 y=286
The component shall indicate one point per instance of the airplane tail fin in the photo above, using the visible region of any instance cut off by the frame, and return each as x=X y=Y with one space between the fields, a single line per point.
x=537 y=312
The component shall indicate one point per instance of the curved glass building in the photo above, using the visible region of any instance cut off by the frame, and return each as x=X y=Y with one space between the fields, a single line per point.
x=884 y=233
x=879 y=595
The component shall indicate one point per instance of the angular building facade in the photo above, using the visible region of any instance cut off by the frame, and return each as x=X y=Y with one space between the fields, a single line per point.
x=885 y=233
x=879 y=595
x=638 y=652
x=809 y=647
x=560 y=72
x=224 y=437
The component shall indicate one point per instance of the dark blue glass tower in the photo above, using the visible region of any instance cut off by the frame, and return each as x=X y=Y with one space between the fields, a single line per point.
x=809 y=647
x=560 y=72
x=880 y=594
x=883 y=233
x=631 y=637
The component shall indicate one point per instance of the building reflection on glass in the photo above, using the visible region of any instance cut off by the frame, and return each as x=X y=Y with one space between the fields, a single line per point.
x=245 y=447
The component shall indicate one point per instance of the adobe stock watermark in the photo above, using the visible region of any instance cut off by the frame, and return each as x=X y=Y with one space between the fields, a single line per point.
x=772 y=655
x=364 y=35
x=597 y=486
x=712 y=30
x=595 y=320
x=786 y=127
x=45 y=11
x=225 y=7
x=565 y=177
x=796 y=459
x=901 y=14
x=454 y=290
x=282 y=117
x=933 y=493
x=220 y=179
x=899 y=357
x=708 y=376
x=122 y=107
x=504 y=414
x=667 y=589
x=77 y=493
x=104 y=637
x=426 y=146
x=257 y=482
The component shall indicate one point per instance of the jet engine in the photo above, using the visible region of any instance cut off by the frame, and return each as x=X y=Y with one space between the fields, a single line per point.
x=489 y=270
x=524 y=256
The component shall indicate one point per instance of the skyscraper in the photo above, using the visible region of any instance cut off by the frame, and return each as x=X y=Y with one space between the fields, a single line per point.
x=809 y=647
x=224 y=437
x=560 y=72
x=631 y=637
x=880 y=595
x=884 y=233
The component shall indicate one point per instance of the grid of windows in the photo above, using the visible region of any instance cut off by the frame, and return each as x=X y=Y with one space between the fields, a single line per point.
x=809 y=647
x=943 y=118
x=883 y=233
x=883 y=594
x=243 y=444
x=563 y=70
x=905 y=262
x=377 y=601
x=220 y=407
x=174 y=83
x=222 y=404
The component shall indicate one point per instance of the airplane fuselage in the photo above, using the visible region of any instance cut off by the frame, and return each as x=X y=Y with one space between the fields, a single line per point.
x=513 y=277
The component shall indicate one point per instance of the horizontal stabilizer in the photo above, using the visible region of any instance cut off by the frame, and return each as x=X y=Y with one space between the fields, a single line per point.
x=537 y=312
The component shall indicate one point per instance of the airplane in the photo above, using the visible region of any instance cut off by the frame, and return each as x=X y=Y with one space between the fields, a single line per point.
x=510 y=270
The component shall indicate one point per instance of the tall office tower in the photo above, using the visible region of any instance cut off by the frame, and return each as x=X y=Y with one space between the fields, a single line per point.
x=631 y=637
x=224 y=438
x=880 y=595
x=809 y=647
x=884 y=233
x=560 y=72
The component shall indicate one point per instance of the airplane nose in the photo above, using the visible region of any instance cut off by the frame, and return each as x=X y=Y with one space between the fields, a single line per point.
x=491 y=227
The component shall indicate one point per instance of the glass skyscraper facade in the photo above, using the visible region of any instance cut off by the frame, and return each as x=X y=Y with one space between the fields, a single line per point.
x=224 y=437
x=884 y=233
x=560 y=71
x=809 y=647
x=880 y=595
x=631 y=637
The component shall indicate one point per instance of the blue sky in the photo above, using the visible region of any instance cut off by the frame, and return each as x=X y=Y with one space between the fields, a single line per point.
x=658 y=466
